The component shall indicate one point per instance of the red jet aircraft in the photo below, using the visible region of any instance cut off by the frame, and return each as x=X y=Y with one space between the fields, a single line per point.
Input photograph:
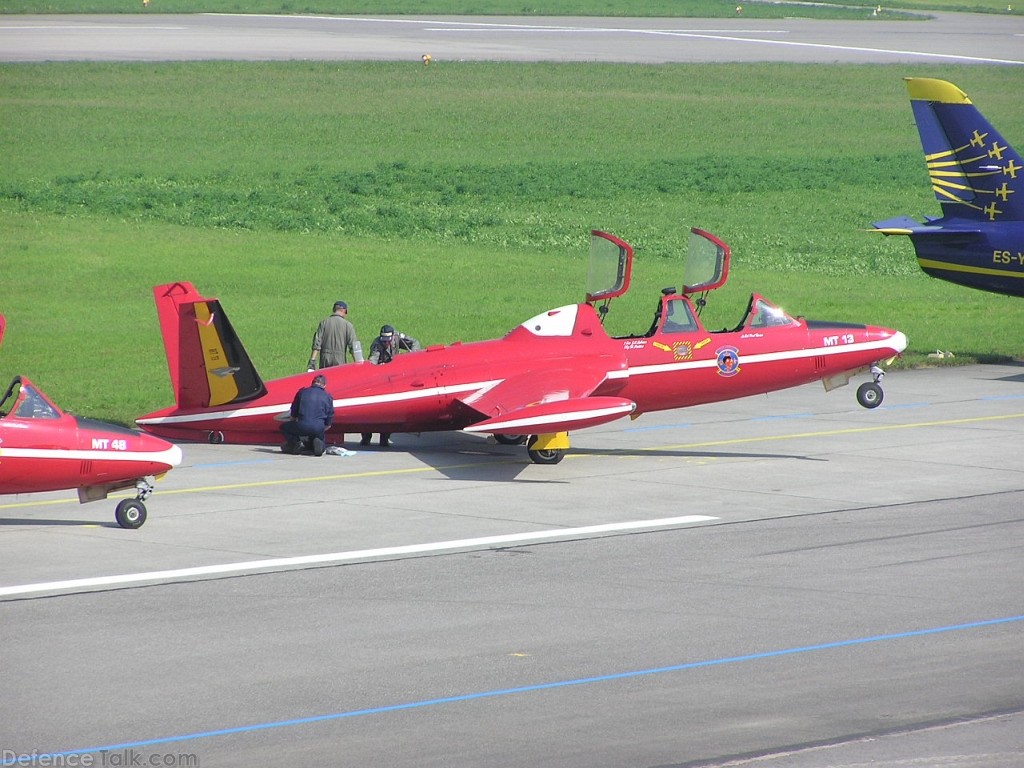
x=44 y=449
x=556 y=372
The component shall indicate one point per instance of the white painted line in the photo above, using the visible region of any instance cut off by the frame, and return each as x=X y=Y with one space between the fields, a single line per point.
x=341 y=557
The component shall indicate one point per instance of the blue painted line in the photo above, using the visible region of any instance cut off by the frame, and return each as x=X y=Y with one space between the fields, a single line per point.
x=1002 y=397
x=524 y=689
x=784 y=417
x=904 y=405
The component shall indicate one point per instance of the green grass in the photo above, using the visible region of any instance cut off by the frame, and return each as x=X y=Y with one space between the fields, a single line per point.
x=452 y=201
x=842 y=9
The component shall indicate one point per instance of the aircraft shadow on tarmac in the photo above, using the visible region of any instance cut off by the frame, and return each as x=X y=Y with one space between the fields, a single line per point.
x=464 y=458
x=19 y=521
x=1017 y=378
x=469 y=457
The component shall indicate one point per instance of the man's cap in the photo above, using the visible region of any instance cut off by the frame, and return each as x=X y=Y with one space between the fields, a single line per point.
x=340 y=305
x=386 y=330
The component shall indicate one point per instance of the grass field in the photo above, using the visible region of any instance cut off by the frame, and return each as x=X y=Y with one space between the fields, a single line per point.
x=452 y=201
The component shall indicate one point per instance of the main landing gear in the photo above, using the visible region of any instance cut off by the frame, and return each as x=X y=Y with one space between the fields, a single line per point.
x=542 y=449
x=131 y=513
x=869 y=394
x=543 y=455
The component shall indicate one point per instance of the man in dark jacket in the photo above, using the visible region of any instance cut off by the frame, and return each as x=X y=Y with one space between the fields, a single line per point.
x=383 y=350
x=389 y=343
x=312 y=414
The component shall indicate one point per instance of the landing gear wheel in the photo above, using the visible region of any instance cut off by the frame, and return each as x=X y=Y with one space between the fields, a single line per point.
x=550 y=456
x=130 y=513
x=215 y=438
x=869 y=394
x=511 y=439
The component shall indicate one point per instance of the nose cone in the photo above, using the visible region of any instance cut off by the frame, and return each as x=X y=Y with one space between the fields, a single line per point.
x=887 y=342
x=172 y=455
x=899 y=341
x=159 y=451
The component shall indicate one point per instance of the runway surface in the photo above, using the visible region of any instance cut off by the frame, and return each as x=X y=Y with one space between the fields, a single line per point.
x=787 y=576
x=787 y=581
x=944 y=38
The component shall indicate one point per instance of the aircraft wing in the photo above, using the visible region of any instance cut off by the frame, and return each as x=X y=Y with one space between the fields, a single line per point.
x=541 y=402
x=904 y=225
x=560 y=416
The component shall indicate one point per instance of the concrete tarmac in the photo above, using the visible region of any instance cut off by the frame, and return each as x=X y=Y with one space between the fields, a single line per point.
x=787 y=581
x=805 y=583
x=940 y=38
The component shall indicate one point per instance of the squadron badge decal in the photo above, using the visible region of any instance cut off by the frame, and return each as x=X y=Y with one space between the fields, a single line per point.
x=728 y=361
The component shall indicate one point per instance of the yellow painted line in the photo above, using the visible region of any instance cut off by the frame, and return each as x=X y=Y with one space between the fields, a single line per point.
x=848 y=431
x=611 y=453
x=21 y=504
x=265 y=483
x=318 y=479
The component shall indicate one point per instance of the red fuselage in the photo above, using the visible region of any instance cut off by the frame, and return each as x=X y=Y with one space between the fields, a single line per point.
x=44 y=449
x=562 y=356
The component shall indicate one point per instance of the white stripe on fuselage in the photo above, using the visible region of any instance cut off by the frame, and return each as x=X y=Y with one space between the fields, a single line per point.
x=770 y=357
x=170 y=457
x=477 y=388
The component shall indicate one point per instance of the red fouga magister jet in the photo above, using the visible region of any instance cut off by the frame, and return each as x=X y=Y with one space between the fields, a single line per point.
x=558 y=371
x=44 y=449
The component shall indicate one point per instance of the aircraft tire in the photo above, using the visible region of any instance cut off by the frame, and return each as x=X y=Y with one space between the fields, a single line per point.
x=545 y=457
x=511 y=439
x=869 y=394
x=130 y=514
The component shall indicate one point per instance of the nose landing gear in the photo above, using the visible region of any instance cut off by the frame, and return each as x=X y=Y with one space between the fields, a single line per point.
x=870 y=394
x=131 y=513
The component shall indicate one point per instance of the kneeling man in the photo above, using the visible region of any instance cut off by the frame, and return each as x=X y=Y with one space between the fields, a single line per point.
x=312 y=414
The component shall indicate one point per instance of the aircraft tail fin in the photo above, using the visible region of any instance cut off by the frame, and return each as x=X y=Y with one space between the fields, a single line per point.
x=3 y=324
x=208 y=365
x=974 y=171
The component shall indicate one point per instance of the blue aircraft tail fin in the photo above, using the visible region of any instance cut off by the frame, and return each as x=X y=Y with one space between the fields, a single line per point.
x=974 y=171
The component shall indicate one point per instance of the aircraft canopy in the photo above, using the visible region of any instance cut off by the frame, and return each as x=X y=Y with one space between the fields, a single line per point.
x=611 y=263
x=707 y=263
